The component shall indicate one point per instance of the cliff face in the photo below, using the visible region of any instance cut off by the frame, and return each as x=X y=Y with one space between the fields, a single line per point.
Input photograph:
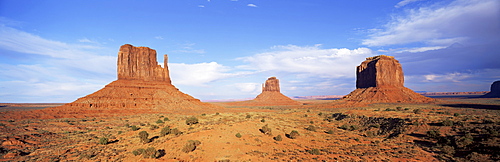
x=379 y=71
x=494 y=90
x=139 y=63
x=272 y=85
x=142 y=85
x=380 y=79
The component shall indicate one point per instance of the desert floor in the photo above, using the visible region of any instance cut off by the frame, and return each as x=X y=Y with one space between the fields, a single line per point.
x=456 y=129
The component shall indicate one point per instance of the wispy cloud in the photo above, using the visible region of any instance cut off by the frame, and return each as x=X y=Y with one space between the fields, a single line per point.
x=20 y=41
x=251 y=5
x=308 y=60
x=458 y=21
x=159 y=37
x=405 y=2
x=63 y=73
x=199 y=74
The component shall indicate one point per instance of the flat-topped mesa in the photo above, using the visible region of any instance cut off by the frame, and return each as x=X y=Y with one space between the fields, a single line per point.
x=139 y=63
x=379 y=71
x=380 y=79
x=272 y=85
x=494 y=90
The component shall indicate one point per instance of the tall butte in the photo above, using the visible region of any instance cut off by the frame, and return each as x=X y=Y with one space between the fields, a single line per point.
x=494 y=90
x=380 y=79
x=270 y=96
x=142 y=85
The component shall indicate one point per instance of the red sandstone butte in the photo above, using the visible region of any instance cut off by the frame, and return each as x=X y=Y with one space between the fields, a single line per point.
x=142 y=85
x=494 y=91
x=380 y=79
x=270 y=96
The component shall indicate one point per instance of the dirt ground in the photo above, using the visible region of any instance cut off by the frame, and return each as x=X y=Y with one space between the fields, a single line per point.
x=457 y=129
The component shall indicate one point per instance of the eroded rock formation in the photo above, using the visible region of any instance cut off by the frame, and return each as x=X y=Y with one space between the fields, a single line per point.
x=494 y=90
x=270 y=96
x=380 y=79
x=142 y=85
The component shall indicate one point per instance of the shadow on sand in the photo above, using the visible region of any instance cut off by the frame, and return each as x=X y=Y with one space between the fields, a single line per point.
x=474 y=106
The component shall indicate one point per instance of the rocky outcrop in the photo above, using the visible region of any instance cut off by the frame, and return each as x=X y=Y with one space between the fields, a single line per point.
x=494 y=90
x=270 y=96
x=380 y=79
x=272 y=85
x=142 y=85
x=139 y=63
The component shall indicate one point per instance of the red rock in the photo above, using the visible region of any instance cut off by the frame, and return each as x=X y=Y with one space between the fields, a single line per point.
x=142 y=86
x=270 y=96
x=494 y=90
x=380 y=79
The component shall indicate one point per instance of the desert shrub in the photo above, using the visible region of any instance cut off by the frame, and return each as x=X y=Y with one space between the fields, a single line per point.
x=278 y=138
x=238 y=135
x=153 y=127
x=417 y=111
x=151 y=152
x=312 y=122
x=311 y=128
x=474 y=156
x=138 y=151
x=389 y=109
x=248 y=116
x=263 y=120
x=448 y=149
x=447 y=122
x=203 y=114
x=217 y=113
x=456 y=114
x=159 y=121
x=399 y=108
x=191 y=146
x=134 y=128
x=370 y=134
x=433 y=134
x=407 y=109
x=293 y=135
x=103 y=141
x=192 y=120
x=329 y=131
x=175 y=131
x=349 y=127
x=314 y=151
x=143 y=135
x=266 y=130
x=166 y=119
x=165 y=131
x=319 y=114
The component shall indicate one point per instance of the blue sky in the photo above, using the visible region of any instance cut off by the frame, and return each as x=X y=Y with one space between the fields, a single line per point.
x=58 y=51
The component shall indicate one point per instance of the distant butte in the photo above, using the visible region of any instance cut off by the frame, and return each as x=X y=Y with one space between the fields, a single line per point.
x=380 y=79
x=494 y=90
x=270 y=96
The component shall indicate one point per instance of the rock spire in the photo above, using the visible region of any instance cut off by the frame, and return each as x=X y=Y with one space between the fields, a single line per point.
x=142 y=86
x=270 y=96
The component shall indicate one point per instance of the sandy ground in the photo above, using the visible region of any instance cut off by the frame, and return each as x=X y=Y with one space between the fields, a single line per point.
x=399 y=133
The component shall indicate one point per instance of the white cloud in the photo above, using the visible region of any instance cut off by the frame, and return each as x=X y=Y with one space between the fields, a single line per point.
x=199 y=74
x=449 y=77
x=23 y=42
x=159 y=37
x=201 y=6
x=458 y=21
x=70 y=70
x=419 y=49
x=308 y=61
x=85 y=40
x=405 y=2
x=251 y=5
x=248 y=87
